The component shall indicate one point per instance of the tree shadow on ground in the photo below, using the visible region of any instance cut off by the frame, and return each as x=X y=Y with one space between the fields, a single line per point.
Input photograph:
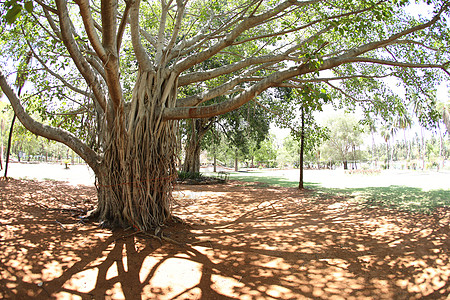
x=242 y=242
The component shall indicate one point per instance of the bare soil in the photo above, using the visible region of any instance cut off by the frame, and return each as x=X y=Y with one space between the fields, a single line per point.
x=240 y=241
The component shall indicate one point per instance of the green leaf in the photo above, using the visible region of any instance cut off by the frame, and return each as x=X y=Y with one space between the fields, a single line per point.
x=29 y=6
x=13 y=13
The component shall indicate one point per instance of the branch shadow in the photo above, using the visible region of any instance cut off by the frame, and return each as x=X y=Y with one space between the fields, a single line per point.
x=242 y=242
x=303 y=244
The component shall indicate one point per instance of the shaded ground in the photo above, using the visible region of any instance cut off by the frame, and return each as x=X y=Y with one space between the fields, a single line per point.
x=242 y=241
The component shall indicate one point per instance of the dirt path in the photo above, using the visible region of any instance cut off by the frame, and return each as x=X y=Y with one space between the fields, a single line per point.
x=242 y=241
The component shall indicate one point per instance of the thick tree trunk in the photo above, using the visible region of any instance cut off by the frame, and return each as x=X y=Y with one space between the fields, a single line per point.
x=135 y=181
x=193 y=148
x=192 y=158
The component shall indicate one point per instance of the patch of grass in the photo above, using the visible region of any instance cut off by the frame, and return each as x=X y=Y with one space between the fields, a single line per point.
x=267 y=181
x=49 y=179
x=397 y=197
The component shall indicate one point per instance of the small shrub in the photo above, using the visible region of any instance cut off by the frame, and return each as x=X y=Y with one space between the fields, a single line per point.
x=186 y=175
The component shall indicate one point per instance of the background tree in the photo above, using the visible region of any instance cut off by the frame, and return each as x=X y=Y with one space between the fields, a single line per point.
x=388 y=131
x=122 y=64
x=296 y=111
x=266 y=154
x=344 y=137
x=444 y=109
x=197 y=128
x=404 y=122
x=244 y=130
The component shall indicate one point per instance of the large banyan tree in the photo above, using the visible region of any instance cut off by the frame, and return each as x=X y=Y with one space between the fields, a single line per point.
x=106 y=76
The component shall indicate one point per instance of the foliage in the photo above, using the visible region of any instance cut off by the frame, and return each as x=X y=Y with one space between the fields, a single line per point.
x=266 y=154
x=188 y=175
x=345 y=137
x=240 y=132
x=291 y=150
x=112 y=78
x=33 y=147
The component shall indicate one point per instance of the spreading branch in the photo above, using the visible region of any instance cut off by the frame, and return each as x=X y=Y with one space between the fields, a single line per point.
x=56 y=134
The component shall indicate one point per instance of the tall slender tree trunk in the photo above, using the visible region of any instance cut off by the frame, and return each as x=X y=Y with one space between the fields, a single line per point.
x=236 y=161
x=8 y=149
x=406 y=145
x=423 y=148
x=374 y=156
x=20 y=82
x=387 y=155
x=302 y=150
x=135 y=181
x=1 y=143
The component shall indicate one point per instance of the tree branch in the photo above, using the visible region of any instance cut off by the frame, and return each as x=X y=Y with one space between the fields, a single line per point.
x=109 y=25
x=56 y=134
x=346 y=94
x=85 y=12
x=210 y=94
x=179 y=17
x=229 y=39
x=280 y=76
x=57 y=76
x=227 y=69
x=123 y=24
x=76 y=55
x=161 y=30
x=139 y=51
x=398 y=64
x=237 y=101
x=375 y=45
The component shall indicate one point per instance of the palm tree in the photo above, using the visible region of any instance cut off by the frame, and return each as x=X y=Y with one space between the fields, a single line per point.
x=373 y=129
x=388 y=131
x=404 y=122
x=445 y=108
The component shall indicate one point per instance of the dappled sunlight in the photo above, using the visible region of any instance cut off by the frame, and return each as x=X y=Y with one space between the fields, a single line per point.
x=325 y=248
x=241 y=242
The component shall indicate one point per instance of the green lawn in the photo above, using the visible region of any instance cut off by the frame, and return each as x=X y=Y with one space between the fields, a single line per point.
x=410 y=198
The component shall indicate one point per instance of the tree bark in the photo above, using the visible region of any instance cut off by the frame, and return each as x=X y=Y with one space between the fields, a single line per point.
x=193 y=148
x=192 y=155
x=135 y=181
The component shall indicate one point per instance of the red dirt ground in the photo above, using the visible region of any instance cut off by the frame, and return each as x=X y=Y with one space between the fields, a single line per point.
x=241 y=241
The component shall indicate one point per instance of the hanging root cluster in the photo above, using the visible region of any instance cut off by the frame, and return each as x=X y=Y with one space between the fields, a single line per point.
x=135 y=187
